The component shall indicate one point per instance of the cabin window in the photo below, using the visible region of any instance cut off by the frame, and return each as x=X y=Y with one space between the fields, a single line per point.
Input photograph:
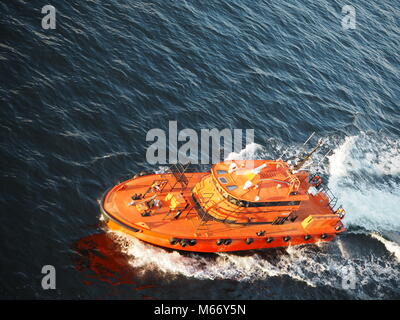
x=248 y=204
x=222 y=172
x=223 y=180
x=274 y=204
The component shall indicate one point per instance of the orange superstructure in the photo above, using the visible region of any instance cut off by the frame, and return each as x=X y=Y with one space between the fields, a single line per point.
x=239 y=205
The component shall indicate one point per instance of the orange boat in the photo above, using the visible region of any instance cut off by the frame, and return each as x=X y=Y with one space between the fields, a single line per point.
x=239 y=205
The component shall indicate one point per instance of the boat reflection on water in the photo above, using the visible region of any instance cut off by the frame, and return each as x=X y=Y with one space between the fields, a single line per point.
x=99 y=258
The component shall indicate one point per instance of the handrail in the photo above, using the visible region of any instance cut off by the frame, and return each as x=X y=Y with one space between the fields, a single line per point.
x=332 y=199
x=276 y=180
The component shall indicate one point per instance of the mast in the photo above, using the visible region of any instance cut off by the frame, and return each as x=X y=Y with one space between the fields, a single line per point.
x=301 y=162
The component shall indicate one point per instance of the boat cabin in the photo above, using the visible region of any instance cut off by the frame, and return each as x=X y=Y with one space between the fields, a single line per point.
x=257 y=191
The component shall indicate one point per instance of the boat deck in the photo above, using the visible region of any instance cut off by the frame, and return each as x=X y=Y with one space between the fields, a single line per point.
x=118 y=204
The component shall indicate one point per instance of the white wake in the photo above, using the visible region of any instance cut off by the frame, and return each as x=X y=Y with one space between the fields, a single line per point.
x=364 y=174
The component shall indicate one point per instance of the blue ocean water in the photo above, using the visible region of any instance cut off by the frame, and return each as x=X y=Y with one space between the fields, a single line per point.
x=77 y=102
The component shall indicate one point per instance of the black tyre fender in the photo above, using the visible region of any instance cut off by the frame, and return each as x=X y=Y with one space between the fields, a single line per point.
x=227 y=242
x=184 y=242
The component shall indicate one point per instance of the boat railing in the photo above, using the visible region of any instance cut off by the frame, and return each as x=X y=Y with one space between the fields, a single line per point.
x=332 y=199
x=294 y=183
x=323 y=187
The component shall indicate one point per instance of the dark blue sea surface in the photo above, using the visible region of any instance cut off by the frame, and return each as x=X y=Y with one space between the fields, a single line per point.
x=77 y=102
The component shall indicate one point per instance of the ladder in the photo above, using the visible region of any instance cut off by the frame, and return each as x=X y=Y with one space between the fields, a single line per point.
x=178 y=171
x=203 y=226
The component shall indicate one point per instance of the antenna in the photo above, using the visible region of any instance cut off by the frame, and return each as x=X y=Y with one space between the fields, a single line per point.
x=308 y=156
x=322 y=159
x=302 y=147
x=312 y=134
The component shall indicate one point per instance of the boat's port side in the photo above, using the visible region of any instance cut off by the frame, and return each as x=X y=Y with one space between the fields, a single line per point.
x=186 y=211
x=211 y=244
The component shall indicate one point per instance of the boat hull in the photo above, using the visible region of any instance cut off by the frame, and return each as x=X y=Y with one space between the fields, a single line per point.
x=185 y=234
